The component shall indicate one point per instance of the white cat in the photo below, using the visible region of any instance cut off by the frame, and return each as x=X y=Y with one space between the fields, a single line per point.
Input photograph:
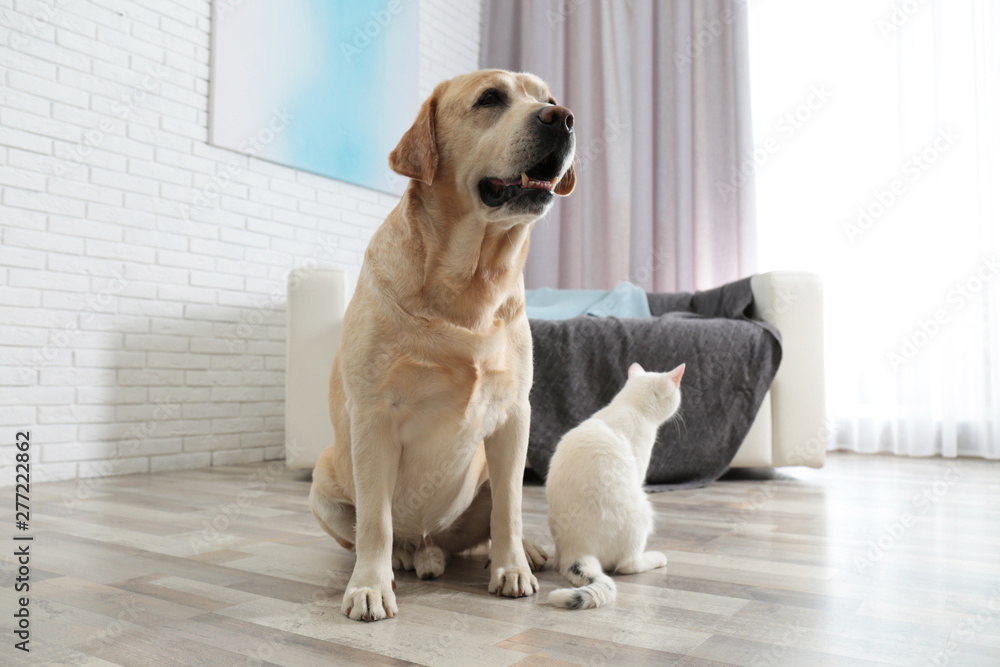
x=599 y=515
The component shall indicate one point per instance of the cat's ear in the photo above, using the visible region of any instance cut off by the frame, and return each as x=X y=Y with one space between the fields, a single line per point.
x=676 y=375
x=635 y=369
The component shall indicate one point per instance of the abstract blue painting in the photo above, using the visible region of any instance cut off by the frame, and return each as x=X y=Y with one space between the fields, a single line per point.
x=323 y=86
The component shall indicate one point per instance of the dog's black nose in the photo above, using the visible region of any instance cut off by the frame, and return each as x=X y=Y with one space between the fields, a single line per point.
x=557 y=116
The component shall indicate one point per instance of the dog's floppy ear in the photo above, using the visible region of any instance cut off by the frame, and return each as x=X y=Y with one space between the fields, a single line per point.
x=567 y=182
x=416 y=155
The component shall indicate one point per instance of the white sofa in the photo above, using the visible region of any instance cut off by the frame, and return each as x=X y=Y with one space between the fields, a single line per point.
x=790 y=428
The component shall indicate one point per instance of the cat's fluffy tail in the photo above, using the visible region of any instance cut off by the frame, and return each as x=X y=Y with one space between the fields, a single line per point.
x=596 y=589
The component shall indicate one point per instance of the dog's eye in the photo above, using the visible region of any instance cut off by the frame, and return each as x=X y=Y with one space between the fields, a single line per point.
x=551 y=101
x=490 y=98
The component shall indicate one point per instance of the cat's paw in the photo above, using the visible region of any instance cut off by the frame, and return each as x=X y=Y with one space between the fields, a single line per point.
x=535 y=554
x=657 y=559
x=429 y=561
x=642 y=563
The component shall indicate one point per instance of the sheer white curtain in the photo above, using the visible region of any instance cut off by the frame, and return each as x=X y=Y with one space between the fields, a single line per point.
x=880 y=123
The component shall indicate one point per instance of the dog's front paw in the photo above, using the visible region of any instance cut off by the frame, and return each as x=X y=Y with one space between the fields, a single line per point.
x=370 y=603
x=515 y=581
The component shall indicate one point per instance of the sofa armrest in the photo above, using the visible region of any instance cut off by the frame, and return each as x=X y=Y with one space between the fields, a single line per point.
x=793 y=302
x=317 y=299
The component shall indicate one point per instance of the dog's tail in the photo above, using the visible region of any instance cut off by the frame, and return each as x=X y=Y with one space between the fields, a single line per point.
x=595 y=588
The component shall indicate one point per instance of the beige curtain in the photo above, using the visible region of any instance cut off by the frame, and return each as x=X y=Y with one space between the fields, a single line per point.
x=660 y=94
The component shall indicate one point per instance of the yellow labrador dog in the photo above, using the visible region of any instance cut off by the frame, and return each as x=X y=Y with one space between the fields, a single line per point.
x=429 y=389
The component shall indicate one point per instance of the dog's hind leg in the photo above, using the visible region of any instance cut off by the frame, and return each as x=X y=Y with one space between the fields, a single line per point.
x=403 y=554
x=429 y=560
x=470 y=530
x=337 y=518
x=537 y=558
x=473 y=529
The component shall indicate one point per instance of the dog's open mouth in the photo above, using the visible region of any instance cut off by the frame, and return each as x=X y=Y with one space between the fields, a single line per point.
x=539 y=180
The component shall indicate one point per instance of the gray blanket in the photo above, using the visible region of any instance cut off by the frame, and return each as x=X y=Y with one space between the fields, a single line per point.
x=581 y=363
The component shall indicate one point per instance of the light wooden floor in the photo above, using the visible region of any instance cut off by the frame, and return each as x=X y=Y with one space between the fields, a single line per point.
x=761 y=572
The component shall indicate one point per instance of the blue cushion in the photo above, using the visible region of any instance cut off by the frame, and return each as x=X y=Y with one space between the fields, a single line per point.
x=625 y=300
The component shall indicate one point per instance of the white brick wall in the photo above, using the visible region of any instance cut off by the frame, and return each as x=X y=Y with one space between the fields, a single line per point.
x=133 y=339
